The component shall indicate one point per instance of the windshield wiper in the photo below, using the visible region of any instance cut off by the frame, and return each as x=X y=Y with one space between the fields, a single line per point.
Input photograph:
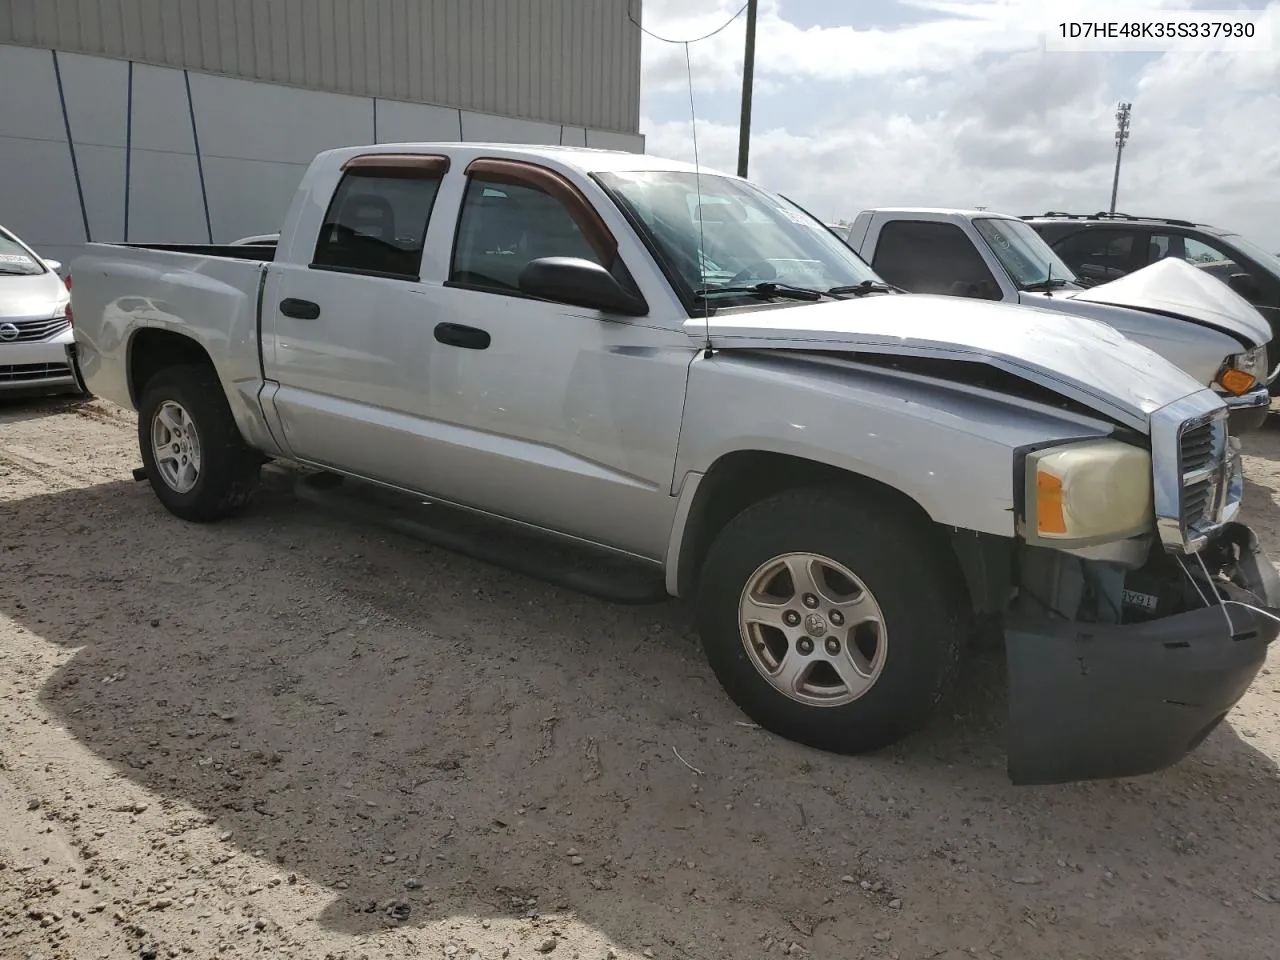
x=863 y=288
x=767 y=289
x=18 y=273
x=1050 y=284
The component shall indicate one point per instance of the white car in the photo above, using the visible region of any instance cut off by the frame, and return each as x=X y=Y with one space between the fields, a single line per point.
x=37 y=341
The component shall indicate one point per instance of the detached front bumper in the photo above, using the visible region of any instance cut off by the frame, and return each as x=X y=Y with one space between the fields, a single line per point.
x=1248 y=412
x=1100 y=701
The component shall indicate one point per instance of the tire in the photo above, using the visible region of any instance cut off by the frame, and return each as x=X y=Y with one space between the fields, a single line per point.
x=903 y=662
x=227 y=470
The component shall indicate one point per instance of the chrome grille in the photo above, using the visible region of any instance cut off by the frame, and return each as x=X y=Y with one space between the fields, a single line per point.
x=1198 y=483
x=30 y=331
x=1196 y=447
x=14 y=372
x=1202 y=459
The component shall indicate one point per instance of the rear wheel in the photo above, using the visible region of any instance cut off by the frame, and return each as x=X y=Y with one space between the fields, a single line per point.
x=832 y=618
x=198 y=464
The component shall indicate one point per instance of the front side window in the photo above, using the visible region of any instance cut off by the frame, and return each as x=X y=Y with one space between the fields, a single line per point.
x=1197 y=251
x=503 y=226
x=15 y=259
x=713 y=233
x=377 y=224
x=925 y=256
x=1029 y=261
x=1269 y=262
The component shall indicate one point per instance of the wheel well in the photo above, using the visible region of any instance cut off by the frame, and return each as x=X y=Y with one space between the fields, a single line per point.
x=152 y=350
x=739 y=479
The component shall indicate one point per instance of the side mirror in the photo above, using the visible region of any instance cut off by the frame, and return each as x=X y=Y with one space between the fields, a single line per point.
x=580 y=283
x=1244 y=285
x=54 y=265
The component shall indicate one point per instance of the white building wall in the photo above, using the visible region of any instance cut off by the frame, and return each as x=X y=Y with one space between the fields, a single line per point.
x=560 y=61
x=95 y=148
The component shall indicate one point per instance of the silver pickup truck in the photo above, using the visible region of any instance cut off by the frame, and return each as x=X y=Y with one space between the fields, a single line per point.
x=680 y=384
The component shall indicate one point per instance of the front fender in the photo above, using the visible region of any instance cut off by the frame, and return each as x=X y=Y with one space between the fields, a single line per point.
x=950 y=448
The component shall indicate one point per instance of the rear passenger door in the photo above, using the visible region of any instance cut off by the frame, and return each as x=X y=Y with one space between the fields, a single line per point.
x=348 y=335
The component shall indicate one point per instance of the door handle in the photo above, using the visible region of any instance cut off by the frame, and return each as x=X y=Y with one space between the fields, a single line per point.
x=458 y=335
x=299 y=309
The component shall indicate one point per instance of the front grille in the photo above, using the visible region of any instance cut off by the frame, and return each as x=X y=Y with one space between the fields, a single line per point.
x=14 y=372
x=1196 y=448
x=33 y=330
x=1197 y=501
x=1202 y=448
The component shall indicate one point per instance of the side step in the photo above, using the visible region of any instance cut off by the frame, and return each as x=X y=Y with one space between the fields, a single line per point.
x=597 y=573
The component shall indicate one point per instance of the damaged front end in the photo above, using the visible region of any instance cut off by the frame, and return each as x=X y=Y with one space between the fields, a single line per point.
x=1124 y=655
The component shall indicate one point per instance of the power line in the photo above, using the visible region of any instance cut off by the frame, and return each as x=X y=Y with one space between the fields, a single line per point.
x=706 y=36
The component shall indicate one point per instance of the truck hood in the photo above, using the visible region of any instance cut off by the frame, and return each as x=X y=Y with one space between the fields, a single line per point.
x=1176 y=288
x=1082 y=359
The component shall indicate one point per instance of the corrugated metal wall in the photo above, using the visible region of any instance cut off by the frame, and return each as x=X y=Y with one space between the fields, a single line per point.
x=564 y=61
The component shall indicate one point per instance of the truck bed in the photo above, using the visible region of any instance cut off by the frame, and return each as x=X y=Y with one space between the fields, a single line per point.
x=208 y=293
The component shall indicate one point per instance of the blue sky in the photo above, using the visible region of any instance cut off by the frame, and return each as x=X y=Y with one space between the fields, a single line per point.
x=957 y=103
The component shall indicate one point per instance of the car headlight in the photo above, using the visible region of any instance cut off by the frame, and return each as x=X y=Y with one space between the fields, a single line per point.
x=1085 y=493
x=1243 y=371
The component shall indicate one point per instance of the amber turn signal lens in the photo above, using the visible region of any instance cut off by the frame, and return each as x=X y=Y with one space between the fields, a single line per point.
x=1237 y=382
x=1049 y=518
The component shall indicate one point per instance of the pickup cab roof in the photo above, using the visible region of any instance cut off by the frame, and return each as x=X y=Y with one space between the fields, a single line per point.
x=586 y=160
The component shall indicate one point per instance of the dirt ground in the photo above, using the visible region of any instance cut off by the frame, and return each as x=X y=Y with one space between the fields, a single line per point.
x=289 y=735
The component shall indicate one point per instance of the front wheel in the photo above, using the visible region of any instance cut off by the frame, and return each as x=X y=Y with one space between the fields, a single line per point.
x=831 y=618
x=199 y=466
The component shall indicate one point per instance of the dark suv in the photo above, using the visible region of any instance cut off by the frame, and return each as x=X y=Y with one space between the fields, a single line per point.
x=1103 y=246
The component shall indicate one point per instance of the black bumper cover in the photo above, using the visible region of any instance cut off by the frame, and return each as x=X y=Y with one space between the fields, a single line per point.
x=1100 y=701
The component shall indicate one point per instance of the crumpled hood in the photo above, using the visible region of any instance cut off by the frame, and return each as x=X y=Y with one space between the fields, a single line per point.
x=1173 y=286
x=39 y=295
x=1079 y=358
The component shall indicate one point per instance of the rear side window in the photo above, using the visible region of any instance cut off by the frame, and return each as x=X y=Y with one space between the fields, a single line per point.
x=376 y=224
x=922 y=256
x=503 y=226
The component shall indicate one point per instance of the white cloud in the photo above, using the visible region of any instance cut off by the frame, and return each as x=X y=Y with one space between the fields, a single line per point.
x=954 y=34
x=977 y=119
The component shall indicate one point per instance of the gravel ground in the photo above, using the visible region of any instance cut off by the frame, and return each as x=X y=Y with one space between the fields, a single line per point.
x=286 y=734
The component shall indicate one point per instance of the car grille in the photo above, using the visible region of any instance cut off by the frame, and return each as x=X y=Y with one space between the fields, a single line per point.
x=15 y=372
x=1202 y=462
x=32 y=330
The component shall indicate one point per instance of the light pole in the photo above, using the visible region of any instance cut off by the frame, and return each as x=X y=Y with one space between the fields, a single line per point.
x=748 y=79
x=1122 y=137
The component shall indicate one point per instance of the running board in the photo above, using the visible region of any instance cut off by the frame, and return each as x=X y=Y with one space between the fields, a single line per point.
x=579 y=567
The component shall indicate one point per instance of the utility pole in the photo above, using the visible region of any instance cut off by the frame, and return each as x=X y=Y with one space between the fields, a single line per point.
x=1122 y=137
x=748 y=81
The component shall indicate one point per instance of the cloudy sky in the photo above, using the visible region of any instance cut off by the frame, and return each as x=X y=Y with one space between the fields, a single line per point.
x=865 y=103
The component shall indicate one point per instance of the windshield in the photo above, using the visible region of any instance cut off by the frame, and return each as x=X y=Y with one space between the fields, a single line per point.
x=15 y=259
x=748 y=236
x=1269 y=261
x=1023 y=252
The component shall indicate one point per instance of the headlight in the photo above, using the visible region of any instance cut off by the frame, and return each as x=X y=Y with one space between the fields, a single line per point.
x=1243 y=371
x=1086 y=493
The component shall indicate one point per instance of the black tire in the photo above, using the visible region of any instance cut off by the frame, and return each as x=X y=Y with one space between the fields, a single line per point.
x=905 y=564
x=229 y=469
